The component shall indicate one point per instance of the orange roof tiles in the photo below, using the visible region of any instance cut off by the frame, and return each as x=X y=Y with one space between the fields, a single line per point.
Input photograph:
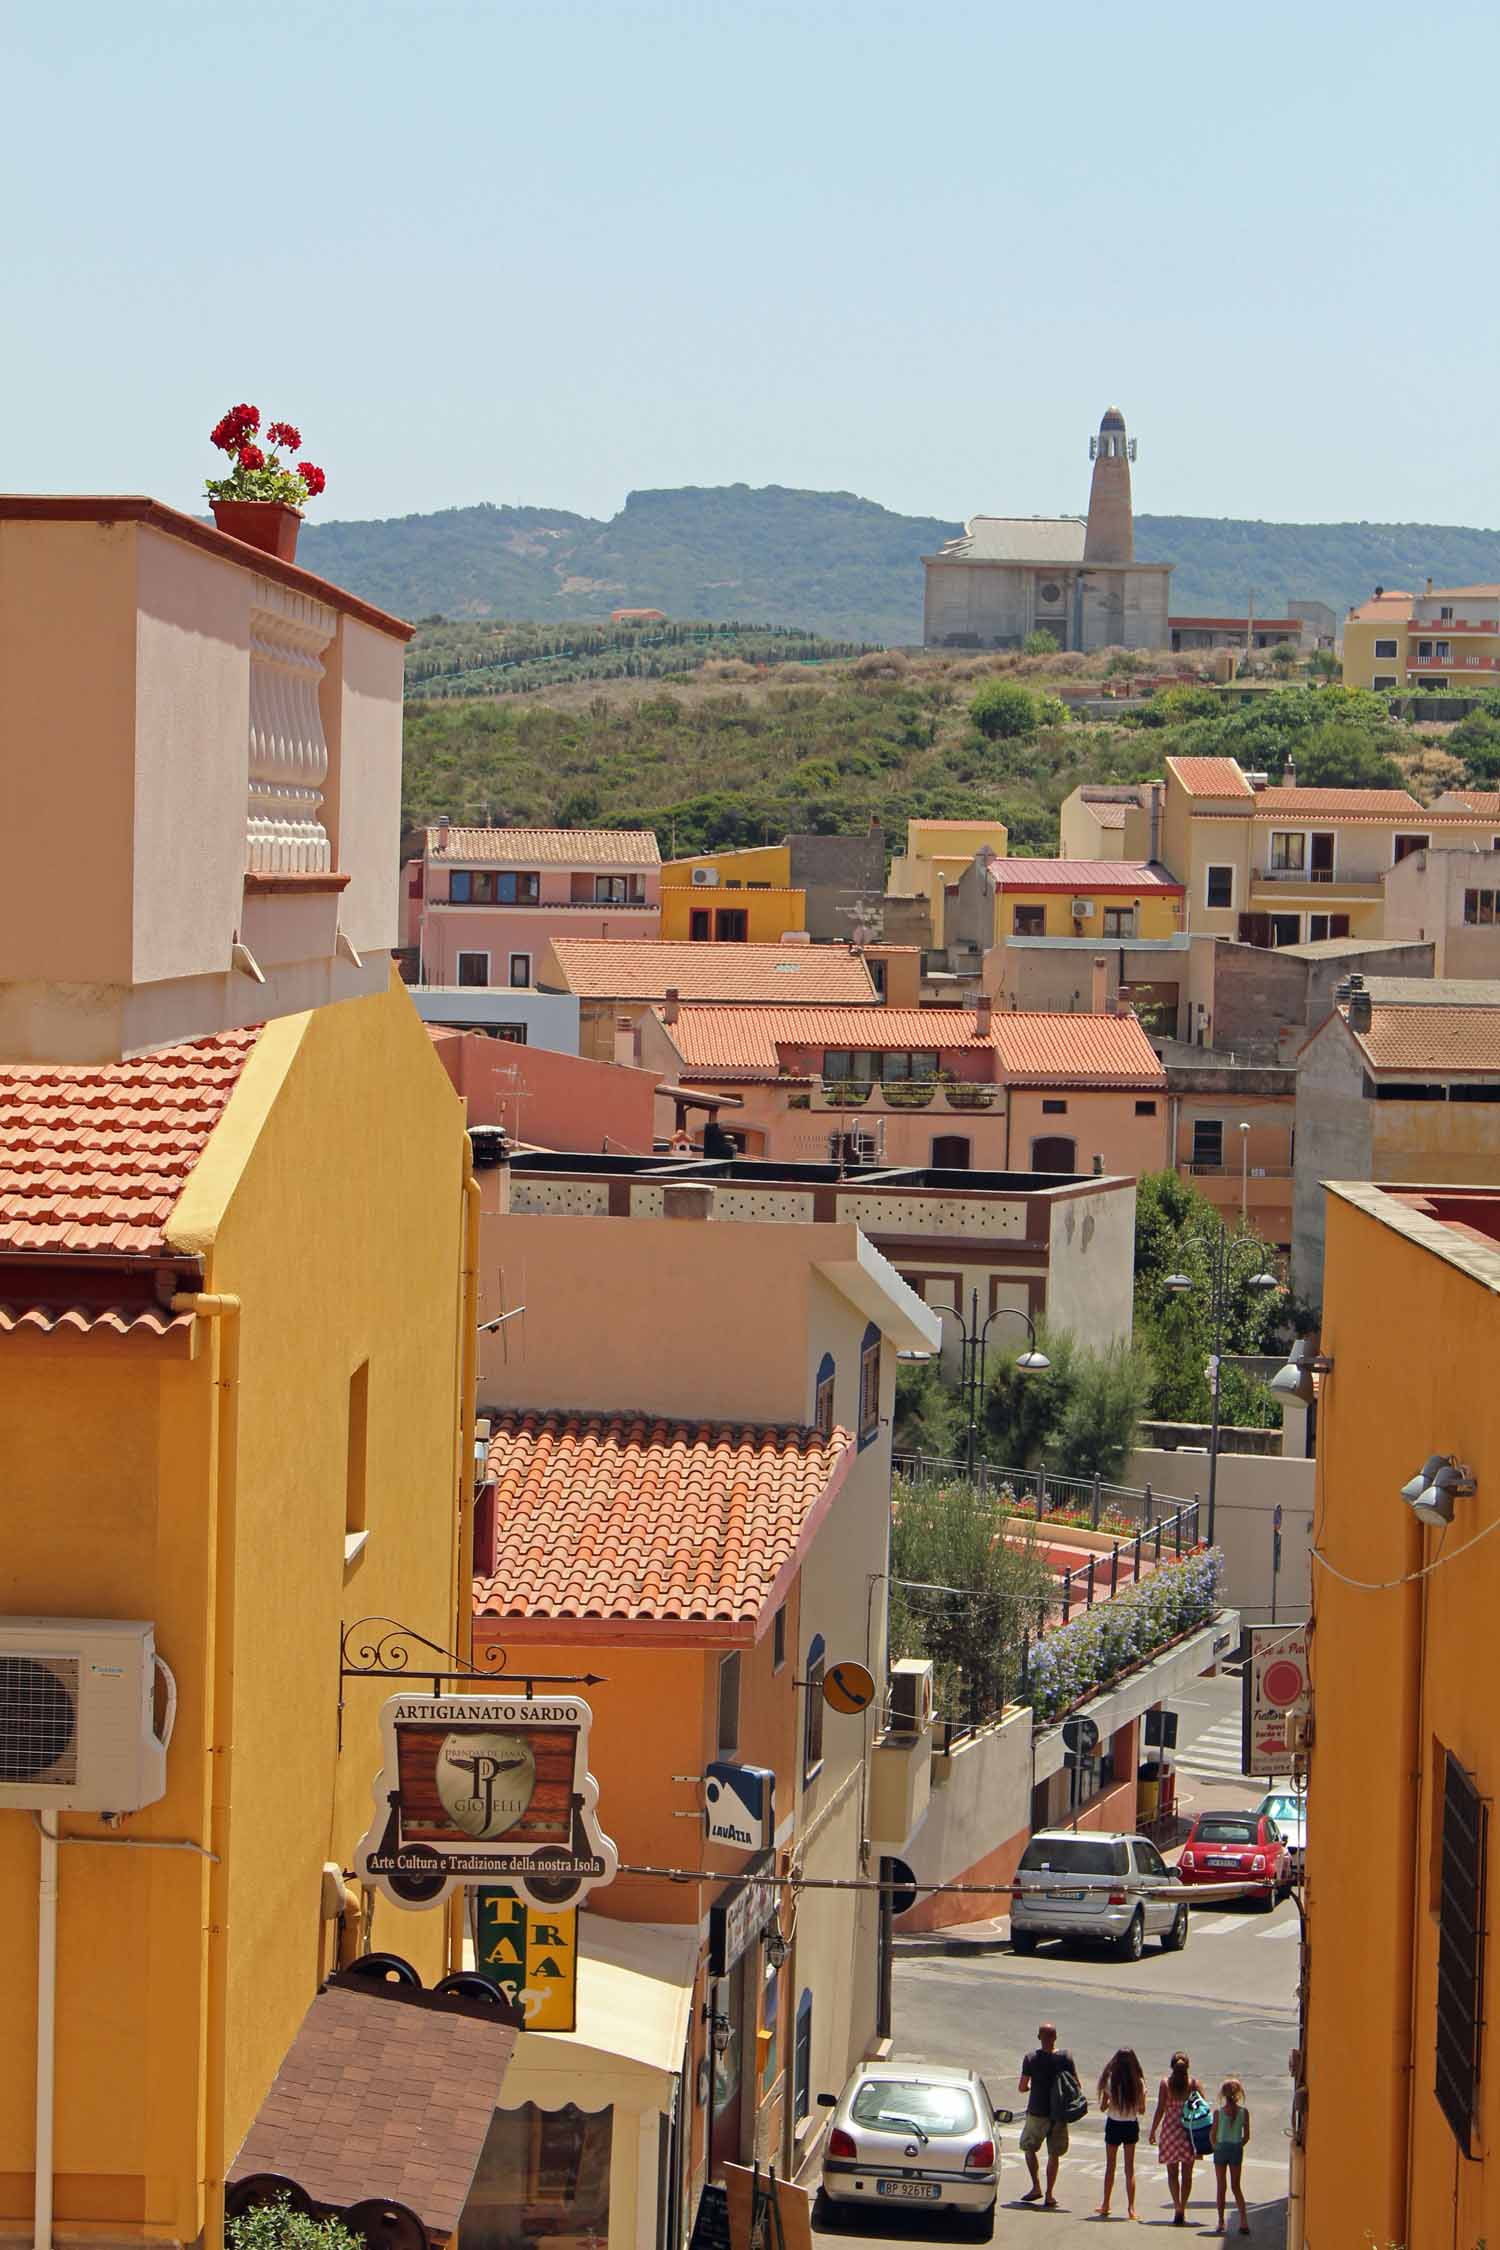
x=614 y=1521
x=93 y=1156
x=552 y=847
x=648 y=968
x=1382 y=605
x=1082 y=874
x=1483 y=802
x=1329 y=804
x=1437 y=1040
x=1031 y=1049
x=1210 y=777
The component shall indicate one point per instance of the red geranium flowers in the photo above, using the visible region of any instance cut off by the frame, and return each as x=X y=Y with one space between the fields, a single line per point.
x=259 y=475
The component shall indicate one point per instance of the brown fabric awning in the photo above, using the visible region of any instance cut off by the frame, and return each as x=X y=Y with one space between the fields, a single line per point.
x=386 y=2095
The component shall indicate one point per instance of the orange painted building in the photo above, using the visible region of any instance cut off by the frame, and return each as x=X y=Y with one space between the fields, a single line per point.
x=1402 y=2084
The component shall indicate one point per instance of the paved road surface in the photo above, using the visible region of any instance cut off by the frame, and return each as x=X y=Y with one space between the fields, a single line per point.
x=1229 y=1999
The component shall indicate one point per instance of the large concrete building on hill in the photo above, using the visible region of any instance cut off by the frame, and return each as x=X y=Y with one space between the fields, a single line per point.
x=1074 y=577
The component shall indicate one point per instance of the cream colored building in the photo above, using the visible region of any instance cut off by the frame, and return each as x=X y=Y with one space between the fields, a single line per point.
x=1099 y=821
x=936 y=854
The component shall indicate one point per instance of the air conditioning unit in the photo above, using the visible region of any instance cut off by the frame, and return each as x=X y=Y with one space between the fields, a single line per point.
x=1082 y=909
x=78 y=1725
x=706 y=877
x=911 y=1696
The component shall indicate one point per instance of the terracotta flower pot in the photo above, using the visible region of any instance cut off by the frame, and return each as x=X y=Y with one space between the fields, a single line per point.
x=265 y=524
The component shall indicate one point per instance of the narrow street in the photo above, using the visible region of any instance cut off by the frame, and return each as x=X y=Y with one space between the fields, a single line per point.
x=1229 y=2000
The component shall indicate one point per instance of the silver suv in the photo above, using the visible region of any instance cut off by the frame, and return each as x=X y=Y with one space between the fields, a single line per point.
x=1116 y=1902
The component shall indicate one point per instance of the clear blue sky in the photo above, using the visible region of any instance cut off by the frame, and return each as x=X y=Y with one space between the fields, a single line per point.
x=548 y=253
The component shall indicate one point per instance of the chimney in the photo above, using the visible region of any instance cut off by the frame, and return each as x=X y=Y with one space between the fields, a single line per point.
x=1289 y=772
x=1099 y=996
x=984 y=1015
x=687 y=1199
x=1122 y=1002
x=1359 y=1011
x=673 y=1008
x=444 y=826
x=1429 y=585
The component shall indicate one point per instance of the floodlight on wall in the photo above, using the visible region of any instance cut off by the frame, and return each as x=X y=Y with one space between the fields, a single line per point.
x=1295 y=1380
x=1414 y=1487
x=1434 y=1504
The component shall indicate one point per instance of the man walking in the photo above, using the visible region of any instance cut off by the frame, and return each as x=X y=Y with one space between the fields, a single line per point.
x=1039 y=2072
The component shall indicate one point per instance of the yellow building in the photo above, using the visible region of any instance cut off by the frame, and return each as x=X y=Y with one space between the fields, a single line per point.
x=1282 y=865
x=1402 y=2120
x=1444 y=637
x=1106 y=901
x=739 y=897
x=936 y=854
x=237 y=1308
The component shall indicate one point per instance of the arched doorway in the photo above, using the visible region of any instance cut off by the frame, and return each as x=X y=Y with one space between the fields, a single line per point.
x=950 y=1152
x=1054 y=1153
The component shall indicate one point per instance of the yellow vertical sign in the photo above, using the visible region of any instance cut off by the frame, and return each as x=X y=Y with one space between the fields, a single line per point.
x=531 y=1952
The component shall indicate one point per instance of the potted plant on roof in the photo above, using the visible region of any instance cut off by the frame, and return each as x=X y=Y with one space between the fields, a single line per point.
x=261 y=499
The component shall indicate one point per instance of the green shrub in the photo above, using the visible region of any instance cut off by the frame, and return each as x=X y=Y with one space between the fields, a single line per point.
x=1040 y=643
x=1003 y=711
x=279 y=2226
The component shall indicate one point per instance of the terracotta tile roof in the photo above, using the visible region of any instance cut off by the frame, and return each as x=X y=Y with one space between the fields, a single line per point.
x=648 y=968
x=1381 y=605
x=549 y=847
x=142 y=1324
x=1082 y=874
x=93 y=1156
x=1484 y=802
x=386 y=2096
x=1329 y=804
x=1107 y=816
x=1437 y=1040
x=1076 y=1050
x=622 y=1519
x=1210 y=777
x=1032 y=1049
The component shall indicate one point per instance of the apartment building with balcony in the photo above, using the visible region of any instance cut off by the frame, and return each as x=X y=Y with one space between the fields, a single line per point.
x=1105 y=901
x=481 y=904
x=1284 y=865
x=954 y=1088
x=1444 y=637
x=237 y=1319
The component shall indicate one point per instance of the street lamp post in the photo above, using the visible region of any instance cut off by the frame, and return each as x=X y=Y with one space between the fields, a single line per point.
x=1033 y=1361
x=1223 y=1275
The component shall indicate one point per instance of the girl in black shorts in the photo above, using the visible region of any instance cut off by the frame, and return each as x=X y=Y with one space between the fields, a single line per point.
x=1122 y=2098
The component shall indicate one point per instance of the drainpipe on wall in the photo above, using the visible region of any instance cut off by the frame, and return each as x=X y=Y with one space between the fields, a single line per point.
x=226 y=1308
x=46 y=2027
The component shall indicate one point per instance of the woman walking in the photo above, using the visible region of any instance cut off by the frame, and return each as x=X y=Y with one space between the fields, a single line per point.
x=1122 y=2097
x=1173 y=2142
x=1231 y=2139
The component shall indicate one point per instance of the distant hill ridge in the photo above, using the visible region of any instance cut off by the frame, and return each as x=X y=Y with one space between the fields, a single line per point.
x=827 y=561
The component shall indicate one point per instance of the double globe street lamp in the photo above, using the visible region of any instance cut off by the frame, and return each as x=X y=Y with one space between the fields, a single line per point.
x=1033 y=1361
x=1226 y=1274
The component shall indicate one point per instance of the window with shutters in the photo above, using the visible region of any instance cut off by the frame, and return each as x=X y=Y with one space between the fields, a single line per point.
x=1460 y=1950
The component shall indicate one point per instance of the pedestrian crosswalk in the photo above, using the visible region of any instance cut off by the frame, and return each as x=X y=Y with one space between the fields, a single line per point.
x=1213 y=1755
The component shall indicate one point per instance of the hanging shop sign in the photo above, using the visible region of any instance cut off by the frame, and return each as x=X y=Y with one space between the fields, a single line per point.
x=485 y=1789
x=532 y=1954
x=1277 y=1687
x=744 y=1909
x=740 y=1805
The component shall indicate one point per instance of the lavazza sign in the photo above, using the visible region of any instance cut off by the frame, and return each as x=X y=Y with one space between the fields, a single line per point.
x=484 y=1789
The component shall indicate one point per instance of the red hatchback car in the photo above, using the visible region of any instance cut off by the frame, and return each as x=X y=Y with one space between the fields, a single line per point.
x=1222 y=1846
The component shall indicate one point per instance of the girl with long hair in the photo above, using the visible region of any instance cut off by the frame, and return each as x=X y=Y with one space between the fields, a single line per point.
x=1231 y=2139
x=1173 y=2141
x=1122 y=2098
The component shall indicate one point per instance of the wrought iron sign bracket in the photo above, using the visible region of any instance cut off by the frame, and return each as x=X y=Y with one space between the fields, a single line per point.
x=390 y=1650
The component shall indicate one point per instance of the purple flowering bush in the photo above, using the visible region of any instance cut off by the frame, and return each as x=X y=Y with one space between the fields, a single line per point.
x=1077 y=1659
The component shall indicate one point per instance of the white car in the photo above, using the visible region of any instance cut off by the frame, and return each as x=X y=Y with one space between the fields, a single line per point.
x=1289 y=1811
x=915 y=2134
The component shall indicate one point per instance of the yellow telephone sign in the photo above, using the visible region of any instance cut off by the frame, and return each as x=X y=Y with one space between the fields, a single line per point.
x=531 y=1952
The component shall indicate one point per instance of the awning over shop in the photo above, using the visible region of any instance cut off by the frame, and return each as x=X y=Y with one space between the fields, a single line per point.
x=635 y=1994
x=385 y=2098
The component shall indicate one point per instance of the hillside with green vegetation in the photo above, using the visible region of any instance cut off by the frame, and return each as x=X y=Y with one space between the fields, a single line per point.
x=828 y=562
x=733 y=755
x=500 y=659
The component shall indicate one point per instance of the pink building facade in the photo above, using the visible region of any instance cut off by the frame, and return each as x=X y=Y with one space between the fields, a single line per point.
x=550 y=1101
x=481 y=904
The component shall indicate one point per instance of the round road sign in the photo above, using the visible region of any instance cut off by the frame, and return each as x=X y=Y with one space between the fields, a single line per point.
x=1081 y=1736
x=848 y=1688
x=903 y=1885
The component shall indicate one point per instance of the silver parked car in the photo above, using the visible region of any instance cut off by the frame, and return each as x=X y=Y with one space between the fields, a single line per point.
x=916 y=2134
x=1115 y=1901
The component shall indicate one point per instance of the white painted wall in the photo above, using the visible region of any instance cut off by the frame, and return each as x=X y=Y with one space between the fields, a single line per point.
x=981 y=1796
x=1248 y=1490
